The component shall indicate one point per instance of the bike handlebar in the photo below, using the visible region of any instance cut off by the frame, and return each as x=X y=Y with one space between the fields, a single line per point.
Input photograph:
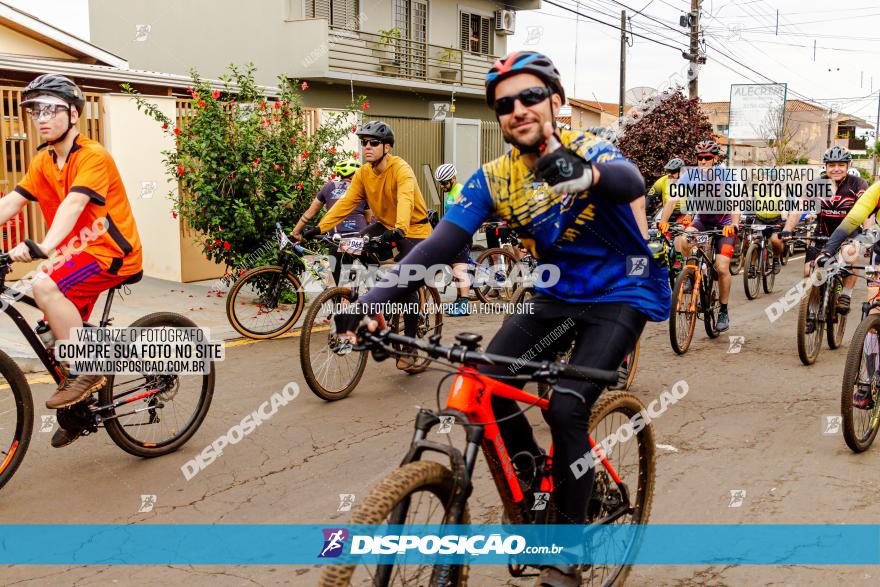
x=537 y=371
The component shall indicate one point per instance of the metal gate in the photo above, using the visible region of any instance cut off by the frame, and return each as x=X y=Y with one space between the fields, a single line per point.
x=492 y=143
x=418 y=141
x=19 y=147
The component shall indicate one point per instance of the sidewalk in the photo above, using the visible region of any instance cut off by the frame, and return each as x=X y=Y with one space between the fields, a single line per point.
x=198 y=301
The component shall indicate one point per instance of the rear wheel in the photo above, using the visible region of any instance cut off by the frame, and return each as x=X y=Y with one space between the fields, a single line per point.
x=740 y=248
x=627 y=370
x=496 y=276
x=16 y=417
x=683 y=315
x=265 y=302
x=751 y=274
x=332 y=369
x=416 y=493
x=633 y=461
x=809 y=326
x=430 y=323
x=860 y=394
x=158 y=423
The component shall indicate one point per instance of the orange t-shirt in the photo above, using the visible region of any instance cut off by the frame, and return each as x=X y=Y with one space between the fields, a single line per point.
x=89 y=170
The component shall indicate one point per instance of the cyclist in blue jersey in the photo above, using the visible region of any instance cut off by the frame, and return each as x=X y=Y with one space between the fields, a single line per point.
x=709 y=172
x=567 y=194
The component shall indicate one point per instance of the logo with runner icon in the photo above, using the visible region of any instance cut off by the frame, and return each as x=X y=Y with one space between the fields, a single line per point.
x=334 y=539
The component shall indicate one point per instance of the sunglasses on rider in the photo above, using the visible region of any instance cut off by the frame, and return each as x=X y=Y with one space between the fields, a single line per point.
x=528 y=97
x=371 y=142
x=705 y=157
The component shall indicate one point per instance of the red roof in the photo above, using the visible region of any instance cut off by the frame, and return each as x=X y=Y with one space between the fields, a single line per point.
x=607 y=107
x=790 y=106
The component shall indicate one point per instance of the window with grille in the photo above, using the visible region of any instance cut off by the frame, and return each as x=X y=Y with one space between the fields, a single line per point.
x=475 y=35
x=339 y=13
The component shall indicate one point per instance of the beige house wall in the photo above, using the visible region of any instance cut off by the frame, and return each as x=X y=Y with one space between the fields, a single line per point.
x=581 y=118
x=136 y=143
x=809 y=128
x=15 y=43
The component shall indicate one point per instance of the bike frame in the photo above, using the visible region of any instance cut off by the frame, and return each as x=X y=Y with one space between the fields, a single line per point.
x=470 y=402
x=697 y=259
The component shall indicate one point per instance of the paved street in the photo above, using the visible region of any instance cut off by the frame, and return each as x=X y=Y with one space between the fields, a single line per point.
x=752 y=421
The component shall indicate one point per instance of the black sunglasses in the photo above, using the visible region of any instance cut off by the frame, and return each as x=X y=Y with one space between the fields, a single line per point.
x=705 y=157
x=371 y=142
x=528 y=97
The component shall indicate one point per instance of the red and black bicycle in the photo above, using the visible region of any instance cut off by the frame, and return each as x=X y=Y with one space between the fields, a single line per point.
x=429 y=492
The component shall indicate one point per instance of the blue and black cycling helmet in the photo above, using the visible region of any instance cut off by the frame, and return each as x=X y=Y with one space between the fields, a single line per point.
x=837 y=154
x=523 y=62
x=674 y=165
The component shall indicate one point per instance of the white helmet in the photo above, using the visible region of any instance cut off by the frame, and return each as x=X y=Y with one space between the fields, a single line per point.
x=854 y=172
x=445 y=172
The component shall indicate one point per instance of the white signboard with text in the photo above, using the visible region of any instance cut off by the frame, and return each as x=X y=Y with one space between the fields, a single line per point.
x=757 y=111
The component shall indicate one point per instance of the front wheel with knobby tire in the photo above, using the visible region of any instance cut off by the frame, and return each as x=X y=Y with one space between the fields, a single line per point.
x=768 y=277
x=810 y=326
x=16 y=417
x=633 y=460
x=330 y=365
x=712 y=307
x=860 y=393
x=836 y=322
x=416 y=493
x=683 y=314
x=751 y=272
x=153 y=424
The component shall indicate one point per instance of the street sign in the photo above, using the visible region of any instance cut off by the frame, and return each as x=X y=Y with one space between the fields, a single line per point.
x=757 y=111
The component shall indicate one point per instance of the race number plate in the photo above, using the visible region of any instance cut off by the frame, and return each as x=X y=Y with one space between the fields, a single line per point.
x=702 y=239
x=352 y=246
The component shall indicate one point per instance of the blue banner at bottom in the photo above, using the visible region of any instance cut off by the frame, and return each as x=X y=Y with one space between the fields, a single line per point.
x=252 y=544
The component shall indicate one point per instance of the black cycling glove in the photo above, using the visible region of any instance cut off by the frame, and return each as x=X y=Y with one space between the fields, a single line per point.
x=393 y=236
x=565 y=171
x=310 y=232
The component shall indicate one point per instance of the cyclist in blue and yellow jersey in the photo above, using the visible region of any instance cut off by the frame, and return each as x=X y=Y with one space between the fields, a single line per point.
x=845 y=191
x=567 y=194
x=658 y=195
x=446 y=176
x=707 y=153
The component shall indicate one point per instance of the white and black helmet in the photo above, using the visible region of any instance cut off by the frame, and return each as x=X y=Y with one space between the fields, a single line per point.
x=445 y=172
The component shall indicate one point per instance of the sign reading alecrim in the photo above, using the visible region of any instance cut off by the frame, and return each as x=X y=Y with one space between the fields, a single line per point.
x=757 y=111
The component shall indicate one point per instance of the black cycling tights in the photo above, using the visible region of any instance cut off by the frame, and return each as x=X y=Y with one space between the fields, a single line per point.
x=603 y=333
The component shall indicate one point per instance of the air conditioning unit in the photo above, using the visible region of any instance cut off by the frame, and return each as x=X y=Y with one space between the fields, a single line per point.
x=505 y=22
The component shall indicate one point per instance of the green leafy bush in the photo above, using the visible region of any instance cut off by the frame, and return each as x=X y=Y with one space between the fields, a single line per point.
x=244 y=160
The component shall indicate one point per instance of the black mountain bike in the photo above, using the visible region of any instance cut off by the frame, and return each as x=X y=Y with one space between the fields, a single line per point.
x=330 y=368
x=818 y=313
x=146 y=415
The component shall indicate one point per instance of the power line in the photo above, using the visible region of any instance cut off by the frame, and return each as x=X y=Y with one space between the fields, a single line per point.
x=608 y=24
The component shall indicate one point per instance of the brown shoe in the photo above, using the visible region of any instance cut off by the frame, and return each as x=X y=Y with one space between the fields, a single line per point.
x=75 y=389
x=406 y=362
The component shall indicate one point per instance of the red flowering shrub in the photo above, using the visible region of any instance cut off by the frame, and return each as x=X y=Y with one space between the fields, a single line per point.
x=244 y=170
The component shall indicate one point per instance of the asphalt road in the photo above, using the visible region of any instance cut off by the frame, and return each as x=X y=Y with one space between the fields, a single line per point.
x=753 y=420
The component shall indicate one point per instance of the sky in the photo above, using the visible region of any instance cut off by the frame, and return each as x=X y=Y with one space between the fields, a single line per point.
x=846 y=57
x=840 y=77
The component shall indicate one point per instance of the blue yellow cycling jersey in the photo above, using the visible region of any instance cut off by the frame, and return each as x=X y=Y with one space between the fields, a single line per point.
x=596 y=244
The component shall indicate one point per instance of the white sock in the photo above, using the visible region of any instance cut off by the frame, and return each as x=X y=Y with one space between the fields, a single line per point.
x=847 y=291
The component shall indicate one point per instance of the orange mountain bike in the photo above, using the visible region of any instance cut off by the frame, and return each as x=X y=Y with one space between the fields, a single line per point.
x=430 y=492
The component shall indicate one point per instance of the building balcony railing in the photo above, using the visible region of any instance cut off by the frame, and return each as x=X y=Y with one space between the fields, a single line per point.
x=388 y=56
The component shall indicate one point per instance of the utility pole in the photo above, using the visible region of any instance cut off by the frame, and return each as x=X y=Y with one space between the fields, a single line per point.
x=577 y=23
x=828 y=136
x=622 y=62
x=876 y=139
x=777 y=23
x=692 y=20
